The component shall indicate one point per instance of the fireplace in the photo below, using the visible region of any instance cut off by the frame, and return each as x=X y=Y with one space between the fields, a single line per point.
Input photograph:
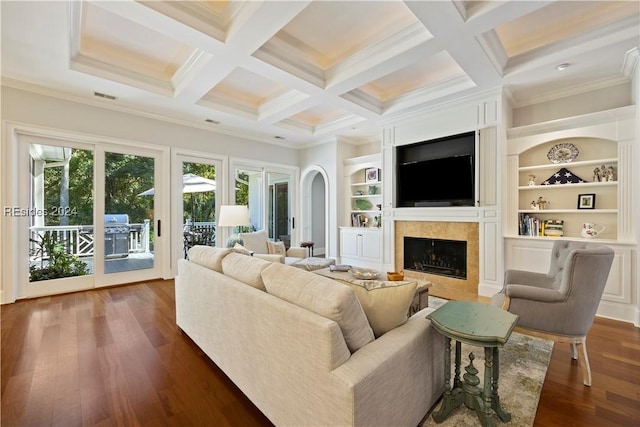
x=467 y=232
x=436 y=256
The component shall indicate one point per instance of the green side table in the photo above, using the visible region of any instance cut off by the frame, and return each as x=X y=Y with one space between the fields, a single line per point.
x=479 y=325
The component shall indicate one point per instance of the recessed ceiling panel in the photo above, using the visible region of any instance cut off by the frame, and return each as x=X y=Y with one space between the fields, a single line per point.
x=427 y=72
x=247 y=88
x=319 y=115
x=117 y=41
x=327 y=32
x=558 y=21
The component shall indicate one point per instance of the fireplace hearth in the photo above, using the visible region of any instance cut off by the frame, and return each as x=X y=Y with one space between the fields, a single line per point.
x=436 y=256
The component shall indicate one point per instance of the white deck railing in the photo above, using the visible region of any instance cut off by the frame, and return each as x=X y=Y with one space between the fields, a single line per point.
x=79 y=239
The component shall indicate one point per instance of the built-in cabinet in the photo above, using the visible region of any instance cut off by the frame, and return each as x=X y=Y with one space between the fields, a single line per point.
x=361 y=239
x=588 y=144
x=361 y=246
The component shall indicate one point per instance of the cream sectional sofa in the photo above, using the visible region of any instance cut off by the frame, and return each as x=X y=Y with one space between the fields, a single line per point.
x=299 y=346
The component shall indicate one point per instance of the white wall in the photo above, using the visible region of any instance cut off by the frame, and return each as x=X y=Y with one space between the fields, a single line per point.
x=35 y=109
x=575 y=105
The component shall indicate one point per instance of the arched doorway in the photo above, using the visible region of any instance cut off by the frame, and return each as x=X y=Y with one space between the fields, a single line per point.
x=315 y=209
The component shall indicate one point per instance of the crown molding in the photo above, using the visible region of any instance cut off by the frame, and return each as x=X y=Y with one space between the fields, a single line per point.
x=110 y=105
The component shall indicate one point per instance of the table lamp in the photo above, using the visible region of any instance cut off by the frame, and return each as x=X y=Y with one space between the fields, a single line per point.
x=233 y=216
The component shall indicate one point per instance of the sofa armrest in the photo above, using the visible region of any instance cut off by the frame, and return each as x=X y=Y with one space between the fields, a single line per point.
x=270 y=257
x=297 y=252
x=408 y=361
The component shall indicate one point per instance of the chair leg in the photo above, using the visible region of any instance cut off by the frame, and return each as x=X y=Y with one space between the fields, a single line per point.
x=583 y=360
x=574 y=350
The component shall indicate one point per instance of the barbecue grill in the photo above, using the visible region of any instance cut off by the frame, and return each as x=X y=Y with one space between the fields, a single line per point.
x=116 y=235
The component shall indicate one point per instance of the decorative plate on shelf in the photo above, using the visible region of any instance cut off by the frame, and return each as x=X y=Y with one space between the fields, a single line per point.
x=563 y=153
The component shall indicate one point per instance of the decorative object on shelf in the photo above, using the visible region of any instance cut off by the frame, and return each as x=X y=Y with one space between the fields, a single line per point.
x=553 y=228
x=363 y=204
x=591 y=230
x=373 y=190
x=378 y=221
x=563 y=176
x=359 y=193
x=604 y=174
x=587 y=201
x=563 y=153
x=539 y=204
x=365 y=274
x=532 y=180
x=372 y=175
x=610 y=174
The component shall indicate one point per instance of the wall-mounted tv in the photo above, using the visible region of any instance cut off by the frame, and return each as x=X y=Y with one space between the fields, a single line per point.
x=439 y=172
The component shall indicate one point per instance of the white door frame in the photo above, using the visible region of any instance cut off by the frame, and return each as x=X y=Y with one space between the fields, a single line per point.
x=306 y=184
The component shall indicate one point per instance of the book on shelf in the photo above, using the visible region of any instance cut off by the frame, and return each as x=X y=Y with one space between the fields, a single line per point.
x=529 y=225
x=553 y=228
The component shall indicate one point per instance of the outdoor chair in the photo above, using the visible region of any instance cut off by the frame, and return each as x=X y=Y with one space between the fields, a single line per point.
x=560 y=305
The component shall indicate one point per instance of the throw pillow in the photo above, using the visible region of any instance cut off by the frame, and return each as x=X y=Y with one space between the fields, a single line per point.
x=238 y=248
x=276 y=248
x=322 y=296
x=385 y=303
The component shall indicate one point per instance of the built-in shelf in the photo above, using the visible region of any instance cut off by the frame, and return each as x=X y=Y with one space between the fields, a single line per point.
x=557 y=211
x=568 y=186
x=595 y=162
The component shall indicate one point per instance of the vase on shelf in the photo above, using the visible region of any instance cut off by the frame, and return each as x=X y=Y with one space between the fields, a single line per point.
x=373 y=189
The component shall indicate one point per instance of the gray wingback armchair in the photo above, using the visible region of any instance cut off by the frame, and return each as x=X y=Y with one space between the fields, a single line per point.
x=560 y=305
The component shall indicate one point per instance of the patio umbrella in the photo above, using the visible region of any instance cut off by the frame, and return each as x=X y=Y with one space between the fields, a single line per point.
x=191 y=183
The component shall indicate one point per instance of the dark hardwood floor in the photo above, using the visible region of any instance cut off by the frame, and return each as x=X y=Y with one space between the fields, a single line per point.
x=116 y=357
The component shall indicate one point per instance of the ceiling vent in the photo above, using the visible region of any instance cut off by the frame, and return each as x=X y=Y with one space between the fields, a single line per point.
x=104 y=95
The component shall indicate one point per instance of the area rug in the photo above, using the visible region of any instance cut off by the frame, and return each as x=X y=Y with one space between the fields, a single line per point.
x=523 y=366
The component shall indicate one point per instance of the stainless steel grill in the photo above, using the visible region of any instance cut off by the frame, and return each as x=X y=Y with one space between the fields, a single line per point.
x=116 y=235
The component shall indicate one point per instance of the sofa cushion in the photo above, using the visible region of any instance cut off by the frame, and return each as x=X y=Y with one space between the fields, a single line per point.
x=208 y=256
x=385 y=303
x=276 y=248
x=244 y=268
x=238 y=248
x=322 y=296
x=256 y=241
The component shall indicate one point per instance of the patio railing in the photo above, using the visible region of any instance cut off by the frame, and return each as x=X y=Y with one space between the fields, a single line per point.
x=78 y=239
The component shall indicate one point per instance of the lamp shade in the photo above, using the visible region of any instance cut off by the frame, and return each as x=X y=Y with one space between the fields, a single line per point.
x=233 y=216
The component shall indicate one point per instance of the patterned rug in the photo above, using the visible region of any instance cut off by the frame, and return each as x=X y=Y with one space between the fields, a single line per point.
x=523 y=366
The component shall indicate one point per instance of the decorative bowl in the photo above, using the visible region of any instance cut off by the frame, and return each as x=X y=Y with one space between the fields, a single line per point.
x=395 y=276
x=365 y=274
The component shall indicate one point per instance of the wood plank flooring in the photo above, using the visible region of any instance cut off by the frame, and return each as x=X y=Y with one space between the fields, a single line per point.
x=116 y=357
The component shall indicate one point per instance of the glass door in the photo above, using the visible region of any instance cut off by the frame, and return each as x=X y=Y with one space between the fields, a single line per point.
x=279 y=212
x=60 y=214
x=129 y=234
x=90 y=214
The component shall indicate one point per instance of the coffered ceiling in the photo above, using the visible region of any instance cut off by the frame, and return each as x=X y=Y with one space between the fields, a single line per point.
x=297 y=73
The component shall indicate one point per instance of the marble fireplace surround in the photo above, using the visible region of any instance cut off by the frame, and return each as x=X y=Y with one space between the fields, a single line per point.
x=466 y=231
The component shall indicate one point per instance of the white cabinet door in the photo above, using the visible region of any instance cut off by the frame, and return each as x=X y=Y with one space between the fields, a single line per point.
x=349 y=243
x=371 y=245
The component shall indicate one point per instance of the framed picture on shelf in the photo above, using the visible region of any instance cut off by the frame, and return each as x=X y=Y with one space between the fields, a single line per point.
x=371 y=175
x=586 y=201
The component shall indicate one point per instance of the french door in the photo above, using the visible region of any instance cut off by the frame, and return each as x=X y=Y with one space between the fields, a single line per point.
x=93 y=217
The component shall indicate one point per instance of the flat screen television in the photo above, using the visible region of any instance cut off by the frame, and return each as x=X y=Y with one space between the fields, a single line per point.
x=436 y=173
